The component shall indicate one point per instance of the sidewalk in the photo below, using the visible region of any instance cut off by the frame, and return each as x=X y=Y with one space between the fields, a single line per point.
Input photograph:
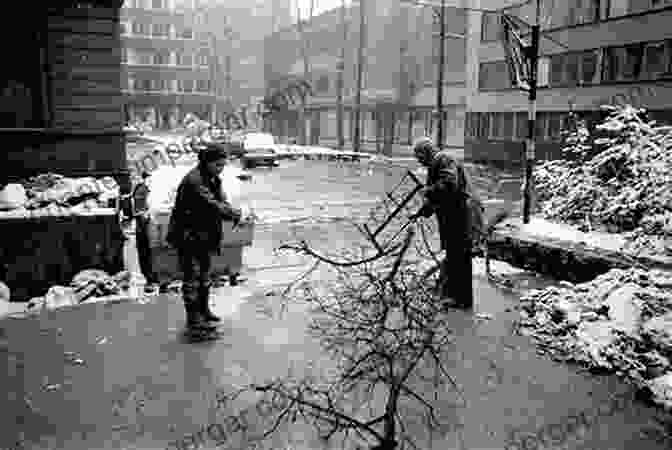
x=140 y=385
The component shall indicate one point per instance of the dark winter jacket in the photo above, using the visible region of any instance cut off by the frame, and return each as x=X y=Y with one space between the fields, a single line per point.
x=451 y=197
x=200 y=207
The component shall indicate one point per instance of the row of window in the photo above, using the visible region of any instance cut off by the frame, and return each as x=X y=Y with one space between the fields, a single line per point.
x=512 y=126
x=159 y=4
x=633 y=62
x=566 y=13
x=163 y=85
x=163 y=30
x=164 y=57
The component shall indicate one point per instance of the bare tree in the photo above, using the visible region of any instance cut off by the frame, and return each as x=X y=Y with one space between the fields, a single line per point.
x=386 y=336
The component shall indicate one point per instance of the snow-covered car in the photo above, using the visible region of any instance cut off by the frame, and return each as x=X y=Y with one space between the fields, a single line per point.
x=259 y=149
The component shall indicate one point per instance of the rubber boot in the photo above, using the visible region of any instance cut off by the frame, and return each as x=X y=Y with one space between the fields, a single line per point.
x=204 y=305
x=195 y=320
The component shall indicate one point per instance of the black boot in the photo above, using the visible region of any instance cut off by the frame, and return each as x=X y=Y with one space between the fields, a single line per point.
x=192 y=307
x=204 y=305
x=195 y=320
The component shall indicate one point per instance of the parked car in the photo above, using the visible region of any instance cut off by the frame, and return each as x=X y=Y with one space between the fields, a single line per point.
x=259 y=149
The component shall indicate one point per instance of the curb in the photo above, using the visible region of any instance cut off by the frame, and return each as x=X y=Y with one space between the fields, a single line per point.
x=562 y=259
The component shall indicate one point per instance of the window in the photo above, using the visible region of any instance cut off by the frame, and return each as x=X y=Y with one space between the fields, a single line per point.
x=203 y=59
x=203 y=85
x=185 y=85
x=521 y=125
x=541 y=126
x=491 y=27
x=575 y=68
x=124 y=55
x=142 y=84
x=186 y=33
x=582 y=11
x=123 y=28
x=141 y=57
x=657 y=56
x=484 y=125
x=556 y=77
x=162 y=57
x=141 y=28
x=497 y=120
x=493 y=76
x=322 y=84
x=161 y=30
x=622 y=63
x=619 y=8
x=158 y=85
x=588 y=62
x=159 y=4
x=555 y=125
x=508 y=131
x=185 y=59
x=572 y=69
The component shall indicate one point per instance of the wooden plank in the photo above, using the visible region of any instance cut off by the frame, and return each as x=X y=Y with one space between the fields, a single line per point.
x=83 y=41
x=88 y=101
x=83 y=25
x=85 y=57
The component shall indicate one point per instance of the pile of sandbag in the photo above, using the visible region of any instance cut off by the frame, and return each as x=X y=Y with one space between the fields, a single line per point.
x=55 y=195
x=87 y=284
x=620 y=322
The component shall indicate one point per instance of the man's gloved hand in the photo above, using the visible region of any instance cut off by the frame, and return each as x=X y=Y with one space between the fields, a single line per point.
x=237 y=216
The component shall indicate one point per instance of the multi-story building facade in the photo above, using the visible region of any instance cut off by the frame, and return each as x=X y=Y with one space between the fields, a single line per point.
x=170 y=64
x=398 y=97
x=593 y=52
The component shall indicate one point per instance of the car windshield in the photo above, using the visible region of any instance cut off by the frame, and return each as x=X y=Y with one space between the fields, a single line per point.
x=259 y=140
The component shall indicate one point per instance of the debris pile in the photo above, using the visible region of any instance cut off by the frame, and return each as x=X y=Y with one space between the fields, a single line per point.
x=55 y=195
x=87 y=284
x=620 y=322
x=618 y=179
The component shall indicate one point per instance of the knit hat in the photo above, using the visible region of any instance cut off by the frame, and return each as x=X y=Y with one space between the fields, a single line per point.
x=422 y=144
x=212 y=152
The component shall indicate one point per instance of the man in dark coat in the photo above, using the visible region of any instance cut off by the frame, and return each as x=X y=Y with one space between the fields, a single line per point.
x=141 y=214
x=449 y=195
x=195 y=229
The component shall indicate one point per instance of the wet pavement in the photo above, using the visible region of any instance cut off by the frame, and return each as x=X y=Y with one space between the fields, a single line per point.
x=122 y=375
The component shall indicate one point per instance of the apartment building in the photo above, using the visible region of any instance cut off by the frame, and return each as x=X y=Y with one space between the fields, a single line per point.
x=593 y=52
x=400 y=71
x=169 y=63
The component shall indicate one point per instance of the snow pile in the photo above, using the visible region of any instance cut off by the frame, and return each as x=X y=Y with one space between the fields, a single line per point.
x=619 y=322
x=620 y=179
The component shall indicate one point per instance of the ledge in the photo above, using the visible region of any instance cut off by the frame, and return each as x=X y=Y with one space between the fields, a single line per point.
x=575 y=256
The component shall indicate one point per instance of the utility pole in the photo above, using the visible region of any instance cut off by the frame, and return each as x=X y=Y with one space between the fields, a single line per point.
x=442 y=63
x=340 y=81
x=533 y=59
x=360 y=64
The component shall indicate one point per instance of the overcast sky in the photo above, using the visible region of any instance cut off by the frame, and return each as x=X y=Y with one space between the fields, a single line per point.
x=320 y=6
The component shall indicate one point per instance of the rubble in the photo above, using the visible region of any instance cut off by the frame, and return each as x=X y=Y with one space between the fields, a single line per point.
x=620 y=322
x=86 y=285
x=618 y=180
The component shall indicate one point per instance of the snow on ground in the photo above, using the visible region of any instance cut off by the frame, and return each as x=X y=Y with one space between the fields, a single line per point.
x=554 y=230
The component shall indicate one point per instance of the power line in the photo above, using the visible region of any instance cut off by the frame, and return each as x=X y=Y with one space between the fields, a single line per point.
x=465 y=8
